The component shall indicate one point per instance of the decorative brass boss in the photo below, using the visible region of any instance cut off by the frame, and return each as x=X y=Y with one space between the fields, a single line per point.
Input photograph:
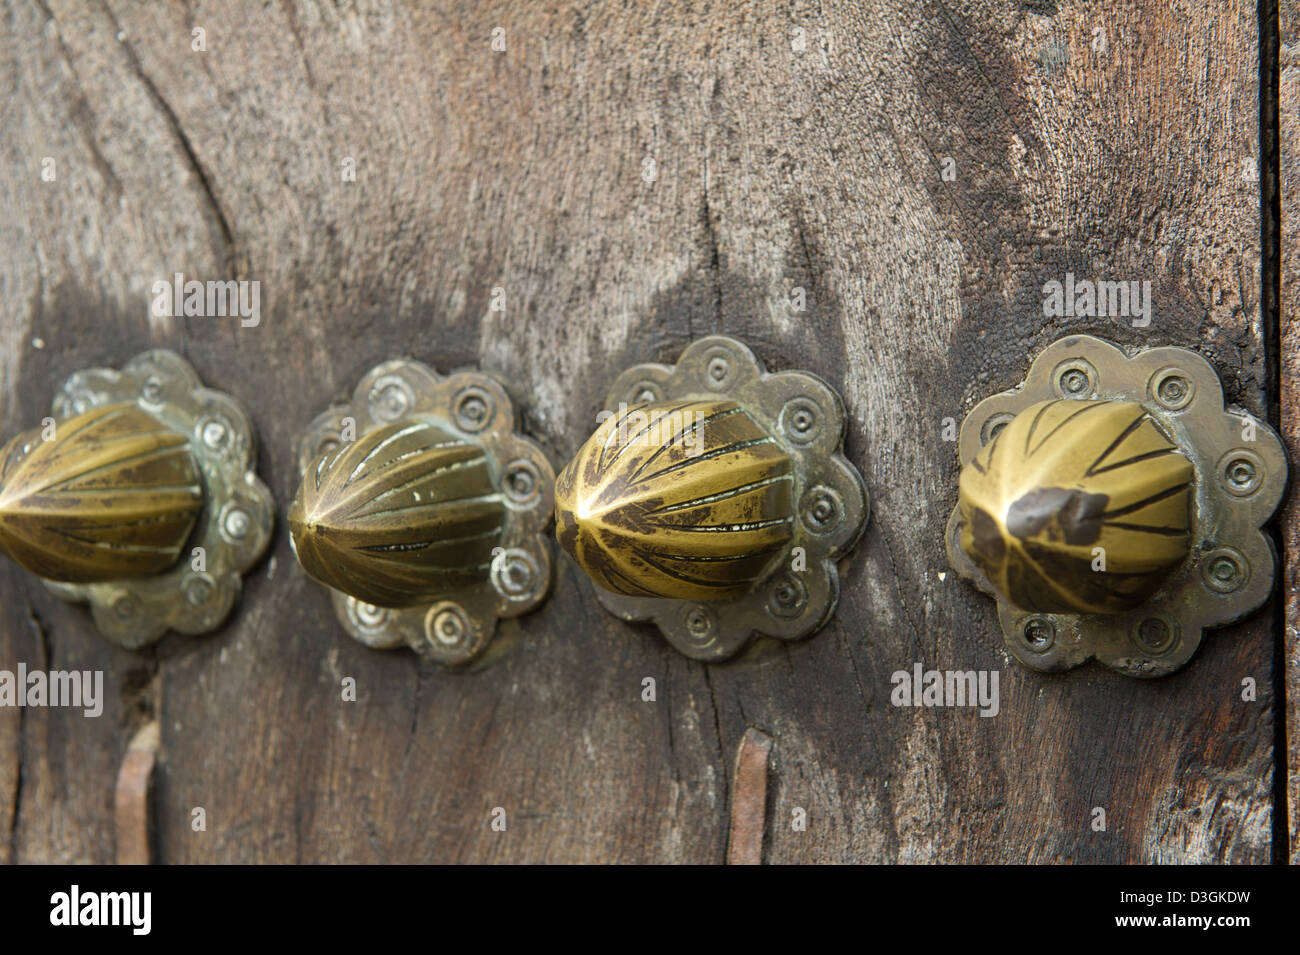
x=1112 y=505
x=422 y=510
x=714 y=500
x=139 y=497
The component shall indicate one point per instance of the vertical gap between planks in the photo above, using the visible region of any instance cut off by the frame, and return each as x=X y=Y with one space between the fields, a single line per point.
x=1271 y=324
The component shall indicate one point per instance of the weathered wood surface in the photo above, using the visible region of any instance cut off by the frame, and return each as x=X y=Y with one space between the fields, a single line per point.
x=525 y=170
x=1288 y=148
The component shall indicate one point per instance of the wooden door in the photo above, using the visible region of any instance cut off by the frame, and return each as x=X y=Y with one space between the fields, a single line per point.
x=627 y=178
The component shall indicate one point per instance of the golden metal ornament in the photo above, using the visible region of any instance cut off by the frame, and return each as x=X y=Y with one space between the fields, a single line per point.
x=423 y=511
x=714 y=500
x=112 y=493
x=1066 y=483
x=139 y=498
x=404 y=514
x=681 y=499
x=1113 y=504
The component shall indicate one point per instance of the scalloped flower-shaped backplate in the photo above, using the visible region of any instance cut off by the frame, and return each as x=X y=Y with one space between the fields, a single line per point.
x=806 y=418
x=456 y=627
x=1240 y=475
x=233 y=527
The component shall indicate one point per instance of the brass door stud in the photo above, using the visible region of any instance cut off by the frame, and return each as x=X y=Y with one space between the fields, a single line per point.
x=714 y=500
x=138 y=496
x=423 y=511
x=1113 y=505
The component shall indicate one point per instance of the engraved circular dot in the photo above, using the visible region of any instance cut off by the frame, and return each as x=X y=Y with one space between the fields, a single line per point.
x=787 y=597
x=152 y=390
x=125 y=607
x=236 y=523
x=1172 y=389
x=1225 y=570
x=1154 y=635
x=1241 y=474
x=390 y=401
x=521 y=481
x=368 y=615
x=473 y=409
x=1074 y=382
x=517 y=576
x=198 y=590
x=1039 y=633
x=821 y=510
x=215 y=434
x=448 y=627
x=801 y=420
x=514 y=573
x=700 y=623
x=1074 y=378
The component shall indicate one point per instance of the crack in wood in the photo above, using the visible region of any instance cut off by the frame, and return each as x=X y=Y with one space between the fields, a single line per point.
x=183 y=140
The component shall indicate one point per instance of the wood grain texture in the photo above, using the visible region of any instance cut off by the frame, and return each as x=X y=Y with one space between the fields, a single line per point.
x=522 y=170
x=1288 y=148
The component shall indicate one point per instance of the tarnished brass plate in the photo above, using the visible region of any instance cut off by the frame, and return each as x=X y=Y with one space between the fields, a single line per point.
x=200 y=438
x=424 y=511
x=771 y=490
x=1112 y=504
